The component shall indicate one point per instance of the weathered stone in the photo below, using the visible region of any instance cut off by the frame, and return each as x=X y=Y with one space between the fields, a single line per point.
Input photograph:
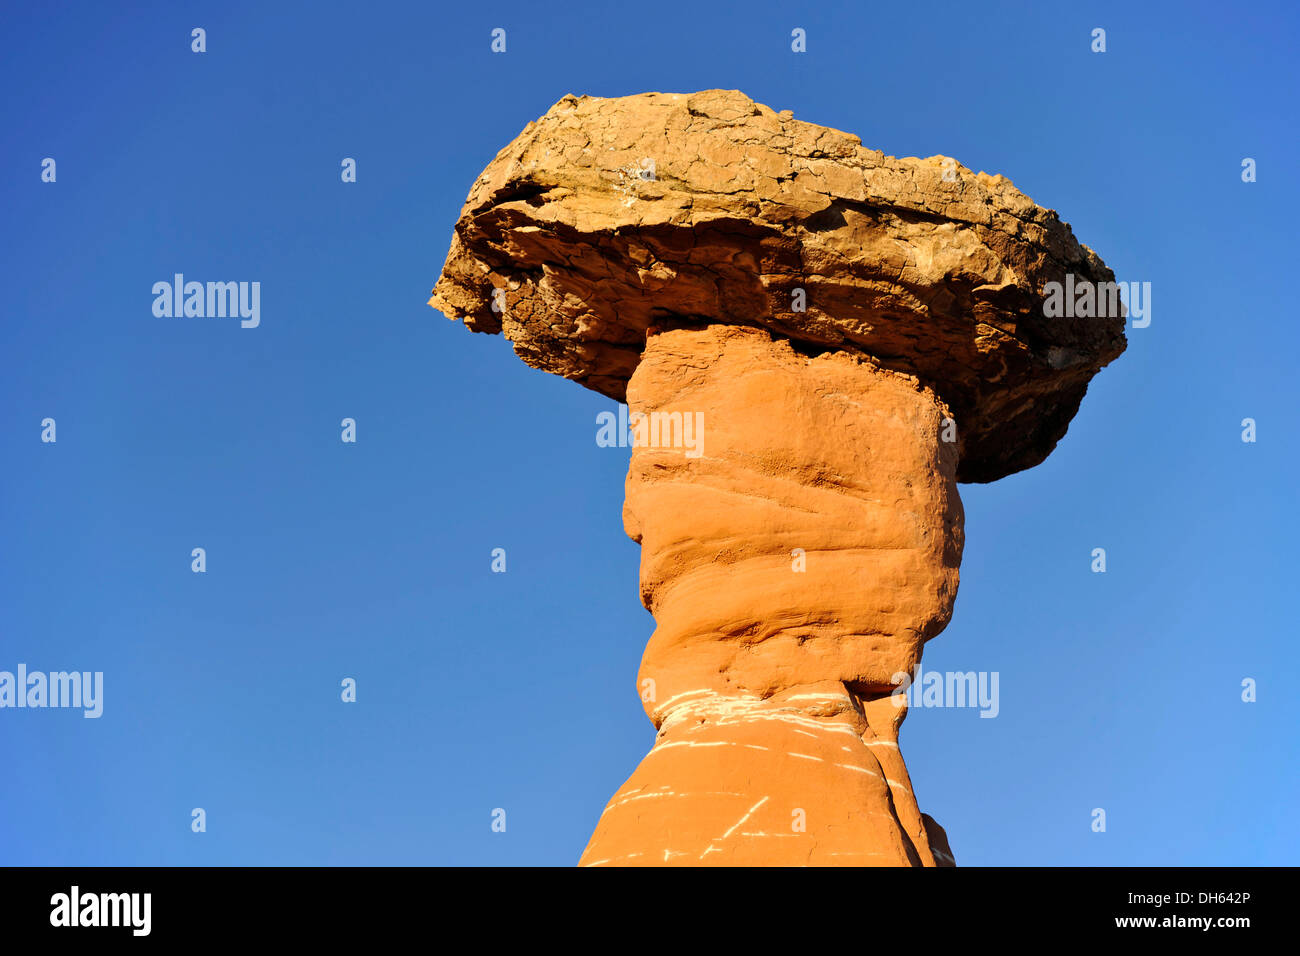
x=920 y=264
x=794 y=569
x=794 y=481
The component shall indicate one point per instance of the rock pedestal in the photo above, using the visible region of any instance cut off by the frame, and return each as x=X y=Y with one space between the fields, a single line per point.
x=796 y=554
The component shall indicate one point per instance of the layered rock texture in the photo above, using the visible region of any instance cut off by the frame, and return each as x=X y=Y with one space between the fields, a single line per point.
x=816 y=342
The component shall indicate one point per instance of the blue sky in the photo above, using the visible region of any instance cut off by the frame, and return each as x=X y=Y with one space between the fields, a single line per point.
x=371 y=560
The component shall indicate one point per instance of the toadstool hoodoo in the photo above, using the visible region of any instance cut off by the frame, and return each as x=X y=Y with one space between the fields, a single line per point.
x=855 y=334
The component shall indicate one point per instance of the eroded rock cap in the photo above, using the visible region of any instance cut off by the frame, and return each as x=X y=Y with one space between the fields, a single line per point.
x=608 y=215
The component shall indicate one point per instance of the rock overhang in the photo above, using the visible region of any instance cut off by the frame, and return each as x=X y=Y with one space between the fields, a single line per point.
x=607 y=217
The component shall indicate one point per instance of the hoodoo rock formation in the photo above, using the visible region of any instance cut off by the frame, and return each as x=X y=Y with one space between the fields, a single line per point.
x=850 y=335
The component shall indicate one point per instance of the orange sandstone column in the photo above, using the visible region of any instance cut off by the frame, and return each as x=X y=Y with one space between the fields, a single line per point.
x=796 y=556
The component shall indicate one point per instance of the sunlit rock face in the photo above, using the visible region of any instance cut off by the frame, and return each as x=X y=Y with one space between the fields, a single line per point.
x=605 y=214
x=795 y=568
x=816 y=342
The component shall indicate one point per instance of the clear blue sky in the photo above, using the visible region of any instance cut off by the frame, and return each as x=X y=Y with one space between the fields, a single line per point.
x=479 y=690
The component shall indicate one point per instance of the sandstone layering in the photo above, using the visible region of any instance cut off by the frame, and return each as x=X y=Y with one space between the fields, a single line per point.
x=853 y=334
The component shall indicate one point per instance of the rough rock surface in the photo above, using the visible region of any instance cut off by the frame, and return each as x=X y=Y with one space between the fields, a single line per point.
x=794 y=490
x=921 y=264
x=794 y=569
